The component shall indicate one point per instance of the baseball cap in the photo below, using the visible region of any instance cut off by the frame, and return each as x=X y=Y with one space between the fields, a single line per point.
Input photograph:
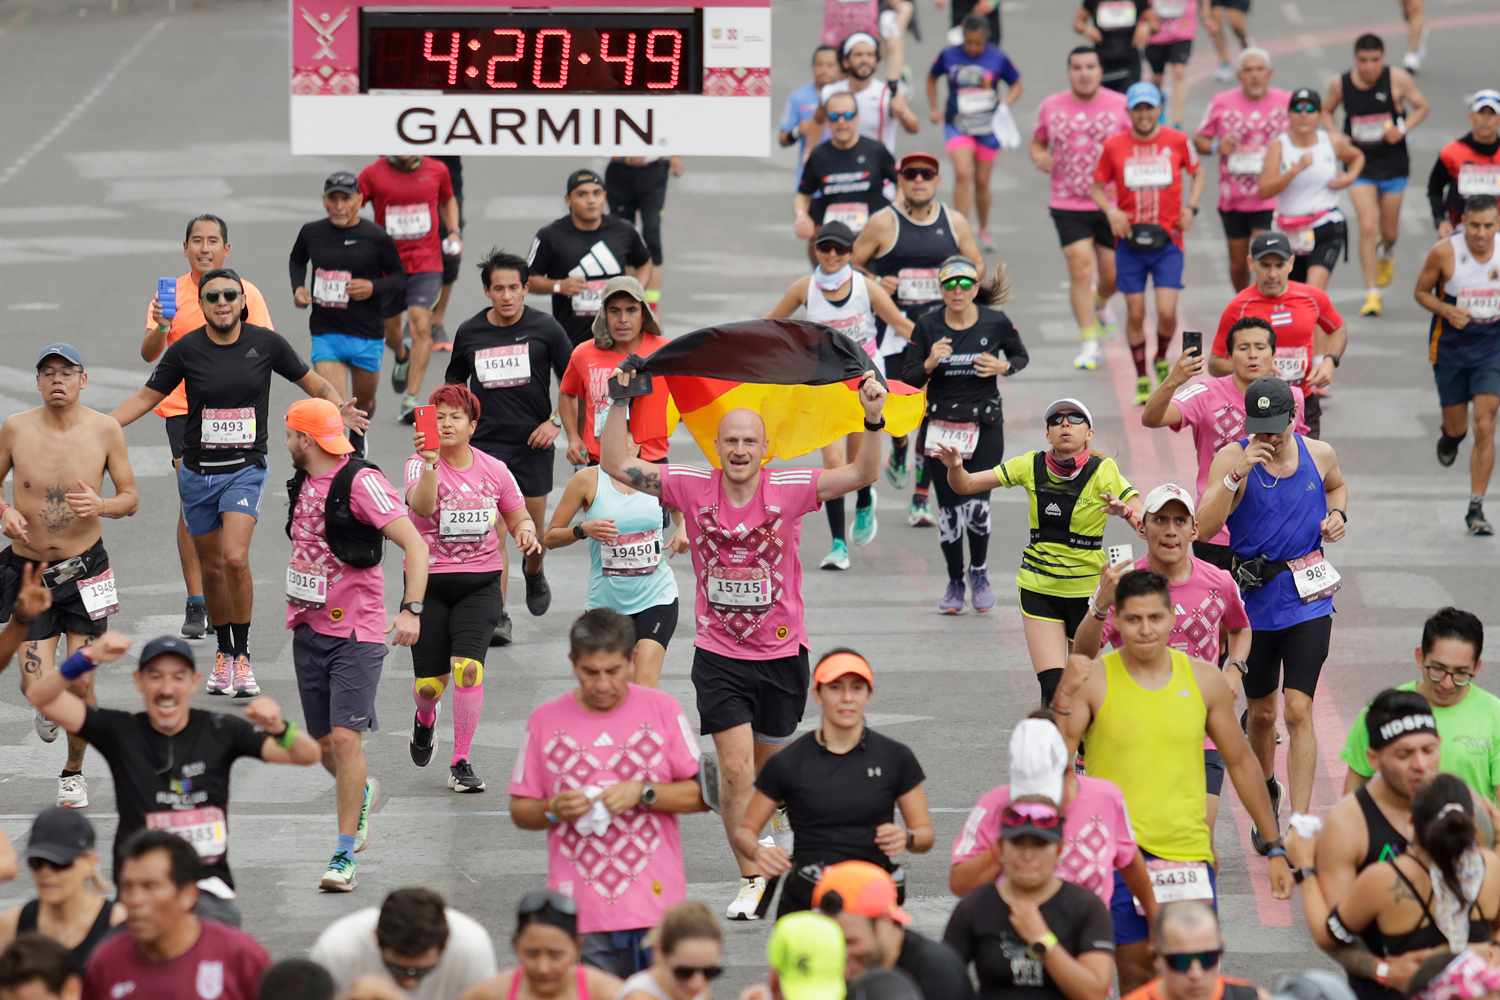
x=957 y=266
x=862 y=888
x=166 y=645
x=918 y=159
x=58 y=349
x=1486 y=98
x=1143 y=92
x=1268 y=406
x=59 y=835
x=1038 y=758
x=578 y=178
x=1305 y=95
x=1031 y=819
x=1065 y=404
x=836 y=665
x=1167 y=493
x=884 y=984
x=341 y=180
x=319 y=419
x=807 y=951
x=621 y=284
x=1271 y=243
x=834 y=232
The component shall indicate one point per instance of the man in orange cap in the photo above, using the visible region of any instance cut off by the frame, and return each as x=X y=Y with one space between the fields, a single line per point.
x=340 y=510
x=878 y=935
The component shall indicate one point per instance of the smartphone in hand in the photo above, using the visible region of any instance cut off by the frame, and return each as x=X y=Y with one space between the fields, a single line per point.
x=166 y=297
x=426 y=422
x=1192 y=340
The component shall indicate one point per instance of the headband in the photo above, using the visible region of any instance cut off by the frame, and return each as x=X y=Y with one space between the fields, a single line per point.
x=856 y=38
x=1387 y=733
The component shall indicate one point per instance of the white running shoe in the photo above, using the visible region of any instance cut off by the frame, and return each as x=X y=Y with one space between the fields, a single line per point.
x=747 y=905
x=1413 y=62
x=1224 y=73
x=73 y=792
x=45 y=728
x=1088 y=357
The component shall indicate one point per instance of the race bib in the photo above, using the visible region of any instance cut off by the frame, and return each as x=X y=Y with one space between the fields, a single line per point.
x=228 y=428
x=738 y=588
x=949 y=434
x=331 y=288
x=503 y=367
x=1148 y=172
x=976 y=101
x=1369 y=129
x=1113 y=15
x=1246 y=162
x=99 y=594
x=306 y=585
x=1314 y=576
x=1480 y=303
x=860 y=329
x=635 y=554
x=1175 y=881
x=1479 y=178
x=1291 y=363
x=589 y=301
x=204 y=828
x=853 y=214
x=466 y=518
x=408 y=222
x=917 y=285
x=1170 y=9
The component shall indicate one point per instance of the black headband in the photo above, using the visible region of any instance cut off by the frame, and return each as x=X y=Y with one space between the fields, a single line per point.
x=1386 y=733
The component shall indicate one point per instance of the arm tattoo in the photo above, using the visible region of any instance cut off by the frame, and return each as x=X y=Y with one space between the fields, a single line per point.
x=1400 y=892
x=646 y=482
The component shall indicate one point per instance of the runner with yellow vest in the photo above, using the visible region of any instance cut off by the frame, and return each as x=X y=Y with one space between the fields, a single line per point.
x=1144 y=710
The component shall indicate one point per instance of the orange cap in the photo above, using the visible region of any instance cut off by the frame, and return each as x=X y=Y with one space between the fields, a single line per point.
x=837 y=665
x=319 y=419
x=863 y=888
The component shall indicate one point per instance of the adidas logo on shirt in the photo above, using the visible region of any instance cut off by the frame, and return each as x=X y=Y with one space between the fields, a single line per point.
x=1054 y=510
x=599 y=262
x=251 y=354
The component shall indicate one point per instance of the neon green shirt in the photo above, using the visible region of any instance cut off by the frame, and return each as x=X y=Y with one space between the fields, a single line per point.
x=1470 y=735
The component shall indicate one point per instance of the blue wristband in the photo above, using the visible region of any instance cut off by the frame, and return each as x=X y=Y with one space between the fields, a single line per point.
x=76 y=666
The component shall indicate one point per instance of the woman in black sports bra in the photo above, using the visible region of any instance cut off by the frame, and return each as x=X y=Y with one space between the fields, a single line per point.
x=70 y=906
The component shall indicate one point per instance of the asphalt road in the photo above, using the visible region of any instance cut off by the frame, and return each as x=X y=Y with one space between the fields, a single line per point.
x=131 y=123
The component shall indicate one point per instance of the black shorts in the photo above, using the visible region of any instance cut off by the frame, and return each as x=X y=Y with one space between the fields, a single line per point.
x=532 y=467
x=1292 y=656
x=393 y=302
x=176 y=434
x=1177 y=53
x=1215 y=555
x=1213 y=771
x=656 y=623
x=1312 y=413
x=1242 y=225
x=769 y=695
x=1073 y=226
x=989 y=451
x=1121 y=76
x=1240 y=5
x=1068 y=610
x=1330 y=241
x=459 y=614
x=68 y=615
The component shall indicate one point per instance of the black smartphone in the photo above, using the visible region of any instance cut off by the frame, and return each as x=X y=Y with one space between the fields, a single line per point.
x=640 y=385
x=1192 y=340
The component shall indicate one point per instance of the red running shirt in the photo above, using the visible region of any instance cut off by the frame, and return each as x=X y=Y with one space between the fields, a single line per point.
x=408 y=207
x=1295 y=316
x=1147 y=176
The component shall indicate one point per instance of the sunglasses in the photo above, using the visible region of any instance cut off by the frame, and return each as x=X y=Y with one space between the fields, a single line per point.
x=685 y=972
x=1436 y=672
x=843 y=116
x=228 y=295
x=1305 y=109
x=400 y=972
x=832 y=248
x=1032 y=814
x=953 y=284
x=37 y=864
x=540 y=899
x=919 y=174
x=1058 y=419
x=1183 y=961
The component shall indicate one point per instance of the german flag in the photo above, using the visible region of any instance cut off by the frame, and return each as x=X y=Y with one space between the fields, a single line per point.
x=802 y=378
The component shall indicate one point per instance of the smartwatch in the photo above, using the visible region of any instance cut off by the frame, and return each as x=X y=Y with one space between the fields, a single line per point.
x=579 y=533
x=415 y=607
x=1300 y=875
x=1042 y=945
x=648 y=795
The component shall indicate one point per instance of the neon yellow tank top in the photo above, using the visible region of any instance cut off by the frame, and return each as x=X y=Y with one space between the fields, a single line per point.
x=1150 y=744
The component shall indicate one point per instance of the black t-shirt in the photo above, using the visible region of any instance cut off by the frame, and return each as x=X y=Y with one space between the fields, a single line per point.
x=1118 y=45
x=835 y=801
x=855 y=176
x=337 y=255
x=179 y=783
x=937 y=969
x=980 y=931
x=561 y=249
x=954 y=382
x=509 y=368
x=226 y=384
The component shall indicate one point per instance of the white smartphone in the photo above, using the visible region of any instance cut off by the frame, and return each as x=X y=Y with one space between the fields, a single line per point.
x=1120 y=554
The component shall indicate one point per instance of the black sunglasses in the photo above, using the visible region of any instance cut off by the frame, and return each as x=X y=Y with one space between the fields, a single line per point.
x=919 y=174
x=832 y=248
x=37 y=864
x=400 y=972
x=686 y=972
x=228 y=294
x=1182 y=961
x=842 y=116
x=1058 y=419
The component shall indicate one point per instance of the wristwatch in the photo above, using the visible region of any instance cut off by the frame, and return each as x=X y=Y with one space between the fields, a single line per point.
x=556 y=419
x=648 y=795
x=1042 y=945
x=1240 y=665
x=415 y=607
x=1300 y=875
x=579 y=533
x=1339 y=511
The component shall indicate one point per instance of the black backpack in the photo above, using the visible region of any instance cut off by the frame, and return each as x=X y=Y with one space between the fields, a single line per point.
x=352 y=541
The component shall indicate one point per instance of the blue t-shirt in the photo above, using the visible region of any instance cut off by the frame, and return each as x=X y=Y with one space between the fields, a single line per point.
x=801 y=105
x=974 y=77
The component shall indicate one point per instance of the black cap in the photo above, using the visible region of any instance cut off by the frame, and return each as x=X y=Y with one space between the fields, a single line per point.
x=578 y=178
x=341 y=180
x=221 y=272
x=58 y=349
x=834 y=232
x=1268 y=406
x=59 y=835
x=167 y=645
x=1305 y=95
x=1269 y=243
x=884 y=984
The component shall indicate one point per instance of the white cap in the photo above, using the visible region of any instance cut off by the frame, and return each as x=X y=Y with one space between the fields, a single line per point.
x=1068 y=403
x=1485 y=99
x=1038 y=759
x=1165 y=494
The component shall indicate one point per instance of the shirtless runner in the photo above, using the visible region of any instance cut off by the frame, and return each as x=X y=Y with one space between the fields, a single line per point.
x=59 y=452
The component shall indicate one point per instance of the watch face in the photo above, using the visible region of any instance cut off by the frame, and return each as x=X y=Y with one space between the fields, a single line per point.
x=415 y=607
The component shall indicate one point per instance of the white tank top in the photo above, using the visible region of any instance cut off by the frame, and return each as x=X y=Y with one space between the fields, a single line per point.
x=1308 y=193
x=1475 y=285
x=854 y=318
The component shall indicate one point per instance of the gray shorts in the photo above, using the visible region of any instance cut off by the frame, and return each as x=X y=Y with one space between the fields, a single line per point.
x=336 y=680
x=423 y=289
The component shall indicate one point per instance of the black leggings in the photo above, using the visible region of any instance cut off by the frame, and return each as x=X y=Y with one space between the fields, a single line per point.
x=835 y=511
x=639 y=190
x=964 y=515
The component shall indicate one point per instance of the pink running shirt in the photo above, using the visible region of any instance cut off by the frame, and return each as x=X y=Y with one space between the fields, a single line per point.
x=1179 y=21
x=485 y=485
x=842 y=18
x=1204 y=601
x=1253 y=124
x=748 y=573
x=626 y=877
x=1075 y=131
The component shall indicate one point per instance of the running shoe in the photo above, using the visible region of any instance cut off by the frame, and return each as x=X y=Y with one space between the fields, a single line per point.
x=1475 y=519
x=1224 y=74
x=919 y=513
x=401 y=370
x=1162 y=370
x=339 y=876
x=953 y=598
x=72 y=792
x=1088 y=356
x=423 y=738
x=1372 y=305
x=986 y=241
x=1106 y=314
x=1412 y=61
x=218 y=680
x=462 y=779
x=371 y=800
x=981 y=595
x=1385 y=270
x=45 y=727
x=244 y=678
x=408 y=412
x=502 y=633
x=752 y=901
x=1277 y=792
x=1447 y=449
x=896 y=472
x=1142 y=390
x=865 y=523
x=837 y=557
x=440 y=339
x=538 y=593
x=194 y=620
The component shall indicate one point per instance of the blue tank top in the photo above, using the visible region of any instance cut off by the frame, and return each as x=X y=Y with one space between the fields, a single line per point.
x=638 y=518
x=1280 y=519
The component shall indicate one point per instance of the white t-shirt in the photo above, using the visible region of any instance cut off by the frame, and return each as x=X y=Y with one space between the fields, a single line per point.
x=347 y=949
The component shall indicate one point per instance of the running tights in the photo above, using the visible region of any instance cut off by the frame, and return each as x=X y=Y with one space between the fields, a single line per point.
x=971 y=517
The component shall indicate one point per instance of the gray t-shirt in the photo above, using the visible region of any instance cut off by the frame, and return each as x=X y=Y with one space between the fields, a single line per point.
x=347 y=949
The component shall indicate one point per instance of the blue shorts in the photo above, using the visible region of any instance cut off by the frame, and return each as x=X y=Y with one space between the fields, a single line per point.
x=1457 y=385
x=1130 y=926
x=1390 y=185
x=363 y=353
x=206 y=497
x=1133 y=267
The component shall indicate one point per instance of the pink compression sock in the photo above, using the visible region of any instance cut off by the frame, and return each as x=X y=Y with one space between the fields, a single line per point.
x=468 y=704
